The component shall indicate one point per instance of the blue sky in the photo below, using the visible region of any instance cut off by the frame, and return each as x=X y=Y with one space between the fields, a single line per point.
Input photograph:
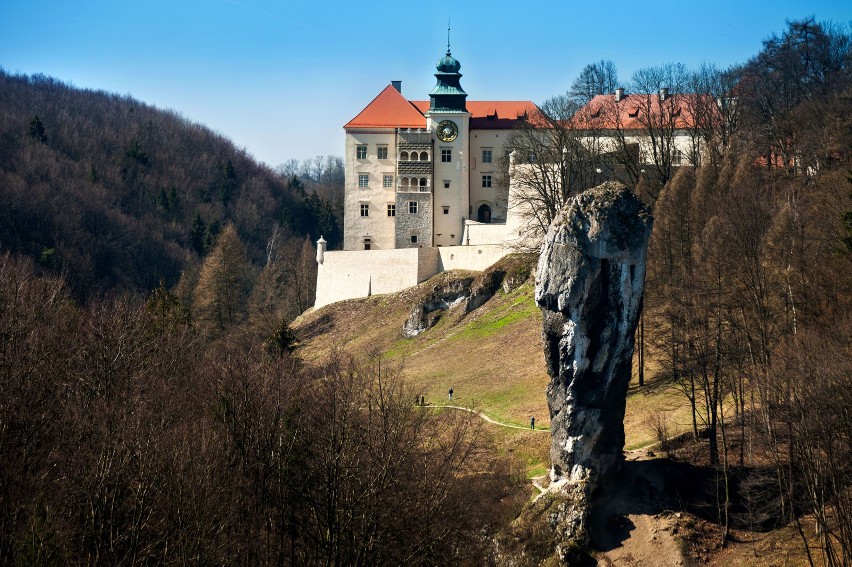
x=280 y=78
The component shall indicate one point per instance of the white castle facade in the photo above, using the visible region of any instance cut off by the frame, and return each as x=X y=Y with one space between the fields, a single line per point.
x=423 y=192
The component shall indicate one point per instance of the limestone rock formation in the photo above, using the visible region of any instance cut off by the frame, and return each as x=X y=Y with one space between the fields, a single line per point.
x=451 y=289
x=589 y=286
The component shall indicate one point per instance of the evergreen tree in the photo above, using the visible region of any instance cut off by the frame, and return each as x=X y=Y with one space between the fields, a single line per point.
x=228 y=183
x=196 y=234
x=37 y=130
x=283 y=340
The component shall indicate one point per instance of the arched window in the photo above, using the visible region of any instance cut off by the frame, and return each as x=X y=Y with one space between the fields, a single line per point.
x=424 y=156
x=414 y=156
x=423 y=182
x=403 y=156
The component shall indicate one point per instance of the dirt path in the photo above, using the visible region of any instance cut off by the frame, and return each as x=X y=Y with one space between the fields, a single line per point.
x=486 y=418
x=632 y=525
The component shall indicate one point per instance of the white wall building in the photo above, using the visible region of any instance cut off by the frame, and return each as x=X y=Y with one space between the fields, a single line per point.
x=417 y=170
x=422 y=189
x=420 y=174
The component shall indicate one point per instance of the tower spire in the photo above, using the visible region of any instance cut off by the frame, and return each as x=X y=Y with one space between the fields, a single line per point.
x=448 y=94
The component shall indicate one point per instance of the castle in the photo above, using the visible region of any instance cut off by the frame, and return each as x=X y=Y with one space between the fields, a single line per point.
x=426 y=189
x=423 y=193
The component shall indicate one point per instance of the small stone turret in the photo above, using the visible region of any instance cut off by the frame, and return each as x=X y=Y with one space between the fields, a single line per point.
x=321 y=249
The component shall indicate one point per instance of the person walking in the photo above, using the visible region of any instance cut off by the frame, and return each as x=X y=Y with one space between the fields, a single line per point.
x=450 y=394
x=532 y=422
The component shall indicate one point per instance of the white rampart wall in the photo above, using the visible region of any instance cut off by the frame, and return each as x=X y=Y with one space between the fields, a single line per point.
x=477 y=233
x=477 y=258
x=350 y=274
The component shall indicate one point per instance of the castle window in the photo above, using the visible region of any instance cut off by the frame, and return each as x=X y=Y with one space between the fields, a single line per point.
x=486 y=181
x=412 y=207
x=446 y=210
x=414 y=239
x=382 y=152
x=414 y=156
x=403 y=156
x=391 y=210
x=363 y=180
x=424 y=156
x=446 y=155
x=367 y=243
x=486 y=156
x=361 y=152
x=365 y=209
x=446 y=184
x=387 y=181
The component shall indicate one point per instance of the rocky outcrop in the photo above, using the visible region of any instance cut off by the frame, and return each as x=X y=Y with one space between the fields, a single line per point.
x=589 y=286
x=449 y=290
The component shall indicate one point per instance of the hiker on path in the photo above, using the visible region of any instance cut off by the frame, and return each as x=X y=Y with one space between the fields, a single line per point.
x=450 y=394
x=532 y=422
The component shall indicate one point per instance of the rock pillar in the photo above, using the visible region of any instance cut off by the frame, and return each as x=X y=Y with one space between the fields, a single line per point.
x=589 y=286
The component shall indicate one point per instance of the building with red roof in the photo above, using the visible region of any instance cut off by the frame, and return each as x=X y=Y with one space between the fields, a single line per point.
x=418 y=172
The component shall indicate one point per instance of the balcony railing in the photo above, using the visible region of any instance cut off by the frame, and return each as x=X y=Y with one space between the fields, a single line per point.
x=413 y=188
x=412 y=136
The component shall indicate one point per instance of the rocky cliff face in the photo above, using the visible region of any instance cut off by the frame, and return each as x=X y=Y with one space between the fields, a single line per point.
x=589 y=286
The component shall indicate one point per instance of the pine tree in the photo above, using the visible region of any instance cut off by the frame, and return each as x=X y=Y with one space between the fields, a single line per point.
x=196 y=234
x=37 y=130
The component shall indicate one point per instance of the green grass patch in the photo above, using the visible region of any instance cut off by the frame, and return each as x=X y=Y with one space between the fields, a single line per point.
x=492 y=322
x=537 y=468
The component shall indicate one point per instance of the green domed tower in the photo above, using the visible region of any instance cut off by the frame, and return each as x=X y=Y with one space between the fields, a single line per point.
x=448 y=120
x=448 y=94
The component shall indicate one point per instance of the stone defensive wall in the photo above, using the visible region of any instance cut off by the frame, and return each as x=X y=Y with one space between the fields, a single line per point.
x=477 y=233
x=350 y=274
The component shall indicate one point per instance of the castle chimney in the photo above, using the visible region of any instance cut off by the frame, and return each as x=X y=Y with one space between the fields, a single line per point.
x=664 y=93
x=619 y=94
x=397 y=85
x=321 y=250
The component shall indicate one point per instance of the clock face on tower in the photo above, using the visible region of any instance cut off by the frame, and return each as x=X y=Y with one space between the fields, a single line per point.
x=447 y=131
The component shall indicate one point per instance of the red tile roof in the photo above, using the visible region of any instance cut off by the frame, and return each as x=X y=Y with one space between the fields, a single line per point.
x=388 y=110
x=602 y=112
x=491 y=114
x=392 y=110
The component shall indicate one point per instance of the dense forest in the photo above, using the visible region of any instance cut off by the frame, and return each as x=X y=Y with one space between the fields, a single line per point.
x=118 y=195
x=151 y=407
x=127 y=438
x=748 y=305
x=748 y=299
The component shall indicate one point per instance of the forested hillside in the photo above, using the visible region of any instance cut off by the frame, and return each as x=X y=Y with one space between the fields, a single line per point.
x=118 y=195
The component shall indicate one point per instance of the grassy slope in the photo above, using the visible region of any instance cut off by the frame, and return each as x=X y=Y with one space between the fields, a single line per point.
x=491 y=357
